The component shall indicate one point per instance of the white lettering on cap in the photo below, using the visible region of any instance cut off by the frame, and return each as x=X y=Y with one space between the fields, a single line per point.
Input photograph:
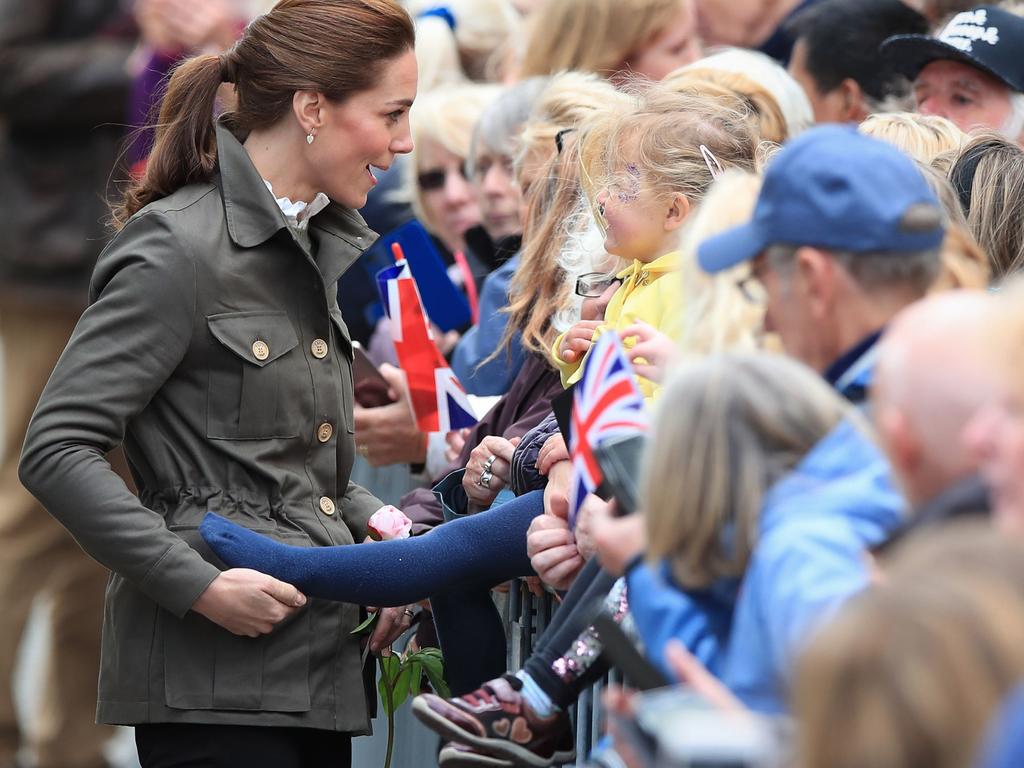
x=967 y=28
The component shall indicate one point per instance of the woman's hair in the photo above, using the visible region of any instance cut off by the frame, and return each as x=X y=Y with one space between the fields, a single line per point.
x=923 y=137
x=502 y=121
x=910 y=672
x=717 y=317
x=336 y=47
x=679 y=143
x=765 y=113
x=592 y=35
x=770 y=75
x=988 y=177
x=540 y=287
x=728 y=427
x=568 y=100
x=461 y=40
x=964 y=263
x=445 y=116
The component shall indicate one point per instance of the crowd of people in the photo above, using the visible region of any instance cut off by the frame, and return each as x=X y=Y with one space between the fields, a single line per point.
x=802 y=219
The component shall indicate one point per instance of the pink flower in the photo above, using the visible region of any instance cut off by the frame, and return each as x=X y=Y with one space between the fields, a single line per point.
x=389 y=523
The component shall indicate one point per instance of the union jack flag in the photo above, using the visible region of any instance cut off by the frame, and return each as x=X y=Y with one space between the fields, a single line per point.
x=439 y=402
x=606 y=403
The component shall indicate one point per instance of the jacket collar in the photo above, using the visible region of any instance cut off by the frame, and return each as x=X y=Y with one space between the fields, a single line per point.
x=253 y=216
x=644 y=270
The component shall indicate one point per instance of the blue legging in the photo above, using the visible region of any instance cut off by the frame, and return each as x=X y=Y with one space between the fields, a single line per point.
x=486 y=548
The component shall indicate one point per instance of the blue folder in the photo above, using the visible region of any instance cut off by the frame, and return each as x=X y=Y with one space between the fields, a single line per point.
x=443 y=301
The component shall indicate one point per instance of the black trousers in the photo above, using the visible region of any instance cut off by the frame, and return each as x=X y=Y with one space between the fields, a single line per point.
x=183 y=745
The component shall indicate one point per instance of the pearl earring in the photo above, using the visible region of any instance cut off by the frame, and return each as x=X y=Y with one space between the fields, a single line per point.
x=309 y=137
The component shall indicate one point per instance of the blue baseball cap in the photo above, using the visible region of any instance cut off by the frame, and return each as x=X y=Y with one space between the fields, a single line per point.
x=836 y=189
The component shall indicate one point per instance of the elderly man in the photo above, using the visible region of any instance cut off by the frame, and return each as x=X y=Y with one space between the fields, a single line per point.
x=845 y=234
x=971 y=73
x=930 y=380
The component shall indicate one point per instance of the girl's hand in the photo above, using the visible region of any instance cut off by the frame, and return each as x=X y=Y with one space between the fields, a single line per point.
x=619 y=540
x=652 y=346
x=577 y=340
x=690 y=672
x=552 y=452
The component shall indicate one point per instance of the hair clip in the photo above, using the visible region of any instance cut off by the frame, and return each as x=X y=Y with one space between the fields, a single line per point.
x=714 y=166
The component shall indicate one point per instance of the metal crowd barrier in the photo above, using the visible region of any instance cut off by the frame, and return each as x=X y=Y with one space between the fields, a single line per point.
x=526 y=618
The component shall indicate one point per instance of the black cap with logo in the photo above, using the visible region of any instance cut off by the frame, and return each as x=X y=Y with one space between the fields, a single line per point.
x=988 y=38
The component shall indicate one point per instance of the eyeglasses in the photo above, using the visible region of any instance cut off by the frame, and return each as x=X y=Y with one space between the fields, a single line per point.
x=593 y=284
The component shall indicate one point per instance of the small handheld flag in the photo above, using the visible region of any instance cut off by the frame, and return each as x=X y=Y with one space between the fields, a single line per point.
x=439 y=402
x=606 y=403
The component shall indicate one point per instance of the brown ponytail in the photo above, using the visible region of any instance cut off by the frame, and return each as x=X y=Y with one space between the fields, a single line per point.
x=336 y=47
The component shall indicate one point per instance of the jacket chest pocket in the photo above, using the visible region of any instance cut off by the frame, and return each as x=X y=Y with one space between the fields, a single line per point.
x=253 y=368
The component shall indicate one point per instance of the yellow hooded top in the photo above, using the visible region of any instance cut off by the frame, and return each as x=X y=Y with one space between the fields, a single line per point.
x=651 y=292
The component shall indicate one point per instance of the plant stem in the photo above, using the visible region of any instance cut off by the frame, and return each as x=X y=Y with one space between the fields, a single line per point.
x=391 y=718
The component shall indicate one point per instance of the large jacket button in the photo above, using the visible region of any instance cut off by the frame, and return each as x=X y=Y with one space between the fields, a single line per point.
x=324 y=432
x=260 y=350
x=326 y=505
x=319 y=349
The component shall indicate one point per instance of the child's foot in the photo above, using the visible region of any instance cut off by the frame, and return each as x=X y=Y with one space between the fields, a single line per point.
x=496 y=720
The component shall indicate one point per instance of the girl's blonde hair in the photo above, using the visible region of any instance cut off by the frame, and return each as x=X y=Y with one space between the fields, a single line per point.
x=444 y=116
x=910 y=673
x=764 y=110
x=923 y=137
x=717 y=316
x=678 y=142
x=592 y=35
x=729 y=426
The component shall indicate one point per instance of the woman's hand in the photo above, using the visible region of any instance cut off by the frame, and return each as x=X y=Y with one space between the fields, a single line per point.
x=549 y=542
x=552 y=452
x=388 y=434
x=456 y=441
x=247 y=602
x=501 y=468
x=577 y=340
x=390 y=626
x=652 y=346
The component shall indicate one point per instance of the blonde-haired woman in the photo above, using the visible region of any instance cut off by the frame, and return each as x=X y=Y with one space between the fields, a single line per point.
x=761 y=495
x=442 y=123
x=923 y=137
x=614 y=38
x=910 y=673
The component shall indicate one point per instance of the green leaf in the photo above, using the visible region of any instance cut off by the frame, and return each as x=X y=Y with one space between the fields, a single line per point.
x=366 y=625
x=434 y=667
x=402 y=686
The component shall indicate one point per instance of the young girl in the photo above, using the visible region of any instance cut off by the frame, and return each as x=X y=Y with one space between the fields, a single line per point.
x=658 y=162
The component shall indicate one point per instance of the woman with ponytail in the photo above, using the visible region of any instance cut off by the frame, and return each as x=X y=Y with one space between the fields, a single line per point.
x=214 y=350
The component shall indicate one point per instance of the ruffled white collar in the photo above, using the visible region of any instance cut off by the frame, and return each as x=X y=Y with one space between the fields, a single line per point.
x=299 y=213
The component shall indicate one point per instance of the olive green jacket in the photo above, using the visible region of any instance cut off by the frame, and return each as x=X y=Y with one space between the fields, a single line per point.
x=214 y=350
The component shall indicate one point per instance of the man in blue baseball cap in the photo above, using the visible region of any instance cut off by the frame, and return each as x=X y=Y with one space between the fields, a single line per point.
x=846 y=233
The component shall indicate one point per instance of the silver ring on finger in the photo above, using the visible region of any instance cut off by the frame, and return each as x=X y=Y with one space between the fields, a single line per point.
x=484 y=481
x=409 y=613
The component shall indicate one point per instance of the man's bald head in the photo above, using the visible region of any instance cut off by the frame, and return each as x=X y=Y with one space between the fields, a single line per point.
x=930 y=379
